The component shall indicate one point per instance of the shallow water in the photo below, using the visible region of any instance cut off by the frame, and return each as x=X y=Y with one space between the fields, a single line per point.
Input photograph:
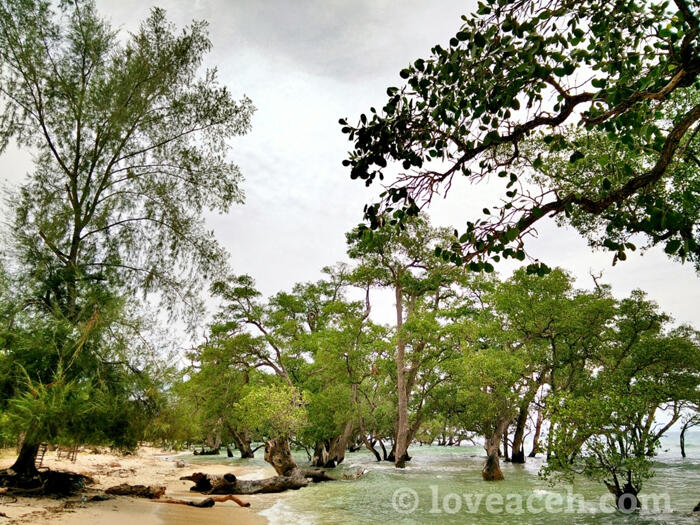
x=443 y=485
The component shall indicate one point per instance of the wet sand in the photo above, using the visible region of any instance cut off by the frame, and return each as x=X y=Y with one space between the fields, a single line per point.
x=148 y=467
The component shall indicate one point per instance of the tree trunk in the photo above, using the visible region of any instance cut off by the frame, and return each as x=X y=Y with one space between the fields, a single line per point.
x=25 y=464
x=550 y=435
x=683 y=429
x=392 y=456
x=139 y=491
x=214 y=440
x=536 y=439
x=320 y=457
x=338 y=445
x=229 y=484
x=492 y=467
x=242 y=441
x=626 y=497
x=279 y=455
x=401 y=443
x=384 y=454
x=518 y=450
x=370 y=447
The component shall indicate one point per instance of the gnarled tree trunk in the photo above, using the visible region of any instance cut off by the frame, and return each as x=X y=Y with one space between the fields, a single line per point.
x=279 y=455
x=492 y=466
x=243 y=443
x=338 y=445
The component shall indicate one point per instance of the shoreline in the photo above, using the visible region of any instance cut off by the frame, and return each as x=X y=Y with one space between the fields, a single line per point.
x=147 y=466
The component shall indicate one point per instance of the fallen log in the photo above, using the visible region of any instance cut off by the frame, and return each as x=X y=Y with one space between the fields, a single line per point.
x=140 y=491
x=205 y=503
x=229 y=484
x=316 y=475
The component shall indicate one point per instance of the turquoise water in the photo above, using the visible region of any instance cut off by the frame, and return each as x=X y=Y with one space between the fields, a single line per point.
x=444 y=485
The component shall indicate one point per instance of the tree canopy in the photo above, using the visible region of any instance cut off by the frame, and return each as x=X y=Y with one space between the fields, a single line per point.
x=587 y=111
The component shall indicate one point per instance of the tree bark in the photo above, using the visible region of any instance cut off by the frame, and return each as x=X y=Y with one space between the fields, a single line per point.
x=242 y=441
x=536 y=439
x=492 y=466
x=230 y=484
x=139 y=491
x=682 y=439
x=370 y=447
x=279 y=455
x=384 y=454
x=25 y=464
x=401 y=443
x=518 y=450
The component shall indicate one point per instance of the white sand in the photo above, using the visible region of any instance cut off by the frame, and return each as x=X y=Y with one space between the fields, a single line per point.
x=147 y=467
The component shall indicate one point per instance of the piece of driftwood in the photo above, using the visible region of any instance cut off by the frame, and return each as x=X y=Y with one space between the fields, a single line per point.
x=140 y=491
x=229 y=484
x=207 y=502
x=357 y=475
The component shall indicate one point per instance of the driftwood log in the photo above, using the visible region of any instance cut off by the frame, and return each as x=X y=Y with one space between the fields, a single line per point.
x=230 y=484
x=205 y=503
x=140 y=491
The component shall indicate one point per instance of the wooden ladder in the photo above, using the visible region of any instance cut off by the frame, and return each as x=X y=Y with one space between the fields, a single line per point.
x=39 y=460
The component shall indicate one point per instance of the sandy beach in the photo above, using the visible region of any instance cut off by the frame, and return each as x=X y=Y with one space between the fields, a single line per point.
x=149 y=466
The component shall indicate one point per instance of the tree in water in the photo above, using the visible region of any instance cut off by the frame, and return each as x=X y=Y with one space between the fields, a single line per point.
x=404 y=261
x=605 y=423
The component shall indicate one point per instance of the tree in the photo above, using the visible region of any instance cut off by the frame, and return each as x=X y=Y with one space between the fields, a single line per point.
x=607 y=426
x=557 y=325
x=130 y=144
x=689 y=421
x=405 y=262
x=610 y=89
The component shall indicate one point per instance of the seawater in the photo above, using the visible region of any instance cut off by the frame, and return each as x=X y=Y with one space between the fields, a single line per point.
x=445 y=487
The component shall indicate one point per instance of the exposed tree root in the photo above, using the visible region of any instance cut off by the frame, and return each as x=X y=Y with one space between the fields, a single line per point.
x=40 y=483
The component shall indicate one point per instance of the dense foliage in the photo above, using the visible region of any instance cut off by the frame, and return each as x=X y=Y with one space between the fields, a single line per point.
x=587 y=111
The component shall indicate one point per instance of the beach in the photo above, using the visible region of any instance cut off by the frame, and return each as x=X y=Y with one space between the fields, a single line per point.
x=148 y=466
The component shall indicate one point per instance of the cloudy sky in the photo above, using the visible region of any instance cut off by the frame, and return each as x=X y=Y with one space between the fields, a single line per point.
x=305 y=64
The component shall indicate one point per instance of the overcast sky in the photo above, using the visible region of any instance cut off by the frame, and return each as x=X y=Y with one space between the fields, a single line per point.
x=305 y=64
